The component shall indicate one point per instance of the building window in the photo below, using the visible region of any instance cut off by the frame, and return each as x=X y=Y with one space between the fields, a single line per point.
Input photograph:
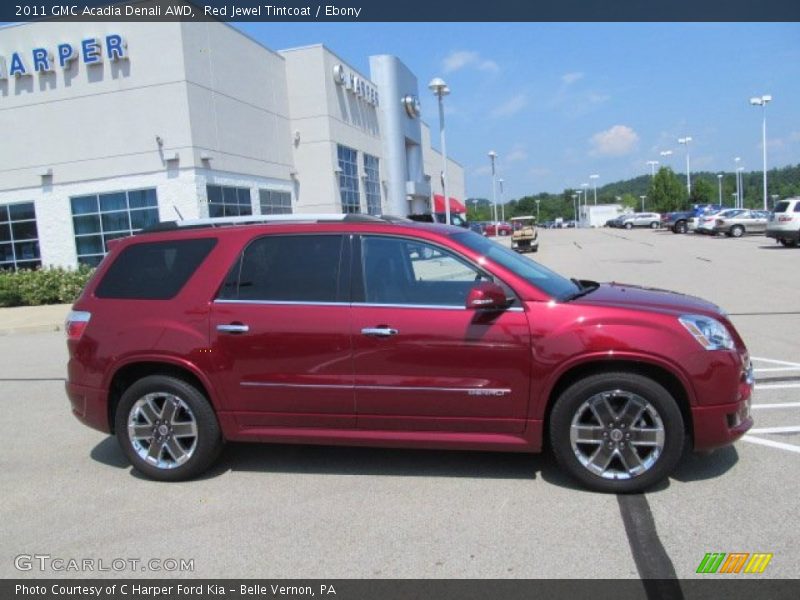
x=275 y=203
x=348 y=179
x=99 y=218
x=372 y=184
x=226 y=201
x=19 y=237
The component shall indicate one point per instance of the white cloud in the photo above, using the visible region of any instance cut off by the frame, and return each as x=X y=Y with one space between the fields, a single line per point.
x=616 y=141
x=598 y=98
x=516 y=154
x=462 y=59
x=510 y=107
x=570 y=78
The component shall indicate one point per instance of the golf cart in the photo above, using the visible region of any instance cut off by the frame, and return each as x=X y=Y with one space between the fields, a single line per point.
x=524 y=237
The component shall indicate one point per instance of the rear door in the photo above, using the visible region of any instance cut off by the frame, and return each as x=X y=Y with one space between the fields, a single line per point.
x=280 y=333
x=422 y=360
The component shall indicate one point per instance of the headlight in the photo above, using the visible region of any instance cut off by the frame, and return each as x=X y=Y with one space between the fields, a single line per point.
x=710 y=333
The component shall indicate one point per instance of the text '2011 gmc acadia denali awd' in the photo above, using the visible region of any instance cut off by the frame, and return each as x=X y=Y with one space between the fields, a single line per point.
x=366 y=331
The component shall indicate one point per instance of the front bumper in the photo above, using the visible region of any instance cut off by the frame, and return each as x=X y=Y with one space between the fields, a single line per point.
x=89 y=405
x=722 y=424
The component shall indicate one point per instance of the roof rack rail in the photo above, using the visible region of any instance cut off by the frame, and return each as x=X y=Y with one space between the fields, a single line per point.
x=264 y=219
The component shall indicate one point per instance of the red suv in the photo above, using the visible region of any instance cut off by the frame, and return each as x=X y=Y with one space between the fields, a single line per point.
x=362 y=331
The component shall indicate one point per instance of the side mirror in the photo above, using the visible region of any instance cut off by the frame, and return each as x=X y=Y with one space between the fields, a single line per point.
x=487 y=296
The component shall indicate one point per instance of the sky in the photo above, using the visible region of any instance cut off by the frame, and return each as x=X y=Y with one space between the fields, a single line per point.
x=561 y=101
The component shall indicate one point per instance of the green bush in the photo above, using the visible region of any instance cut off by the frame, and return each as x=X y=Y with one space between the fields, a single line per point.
x=42 y=286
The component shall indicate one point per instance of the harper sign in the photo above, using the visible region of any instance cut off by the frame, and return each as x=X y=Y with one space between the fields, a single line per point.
x=42 y=60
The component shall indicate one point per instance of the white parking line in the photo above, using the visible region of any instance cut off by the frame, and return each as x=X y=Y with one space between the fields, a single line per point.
x=777 y=405
x=776 y=362
x=771 y=444
x=790 y=429
x=776 y=369
x=776 y=386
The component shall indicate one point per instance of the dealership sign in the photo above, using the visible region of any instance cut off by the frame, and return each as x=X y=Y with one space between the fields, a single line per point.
x=44 y=60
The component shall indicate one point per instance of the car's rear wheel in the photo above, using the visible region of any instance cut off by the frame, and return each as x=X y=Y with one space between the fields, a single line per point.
x=167 y=428
x=617 y=432
x=653 y=225
x=680 y=227
x=737 y=231
x=628 y=225
x=788 y=243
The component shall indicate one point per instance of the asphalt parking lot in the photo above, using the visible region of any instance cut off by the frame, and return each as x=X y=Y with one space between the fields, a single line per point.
x=318 y=512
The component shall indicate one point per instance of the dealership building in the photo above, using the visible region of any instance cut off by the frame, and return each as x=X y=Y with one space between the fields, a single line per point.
x=109 y=127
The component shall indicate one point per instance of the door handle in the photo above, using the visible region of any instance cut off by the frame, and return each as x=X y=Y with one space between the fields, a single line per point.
x=379 y=331
x=233 y=328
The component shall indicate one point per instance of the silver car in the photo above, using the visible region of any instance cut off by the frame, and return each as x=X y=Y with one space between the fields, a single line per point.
x=741 y=222
x=642 y=219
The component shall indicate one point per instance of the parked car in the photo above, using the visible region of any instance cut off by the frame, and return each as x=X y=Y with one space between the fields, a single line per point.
x=641 y=219
x=456 y=219
x=677 y=222
x=494 y=228
x=524 y=236
x=706 y=222
x=476 y=227
x=784 y=222
x=746 y=221
x=350 y=329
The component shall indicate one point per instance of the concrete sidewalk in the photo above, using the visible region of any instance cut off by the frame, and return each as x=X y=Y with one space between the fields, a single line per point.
x=31 y=319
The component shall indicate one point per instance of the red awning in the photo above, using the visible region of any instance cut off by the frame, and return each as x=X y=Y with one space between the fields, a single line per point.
x=455 y=205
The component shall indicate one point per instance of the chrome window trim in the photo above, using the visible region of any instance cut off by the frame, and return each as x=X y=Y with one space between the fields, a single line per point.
x=358 y=305
x=401 y=388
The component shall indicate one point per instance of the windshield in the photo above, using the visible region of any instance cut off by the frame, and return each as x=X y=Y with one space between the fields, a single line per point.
x=543 y=278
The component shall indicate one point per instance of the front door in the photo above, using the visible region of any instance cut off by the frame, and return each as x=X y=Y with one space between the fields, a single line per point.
x=280 y=334
x=422 y=360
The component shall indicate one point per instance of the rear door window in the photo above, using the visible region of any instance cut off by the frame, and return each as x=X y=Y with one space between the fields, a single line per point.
x=781 y=207
x=288 y=268
x=153 y=270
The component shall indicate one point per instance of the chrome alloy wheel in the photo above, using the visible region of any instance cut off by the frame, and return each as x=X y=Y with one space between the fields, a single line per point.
x=162 y=430
x=617 y=435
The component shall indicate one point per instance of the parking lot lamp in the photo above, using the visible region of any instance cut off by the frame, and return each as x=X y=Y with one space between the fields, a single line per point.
x=594 y=177
x=502 y=200
x=493 y=157
x=642 y=197
x=735 y=200
x=740 y=173
x=666 y=153
x=719 y=182
x=762 y=102
x=440 y=90
x=738 y=196
x=575 y=204
x=685 y=141
x=537 y=209
x=653 y=164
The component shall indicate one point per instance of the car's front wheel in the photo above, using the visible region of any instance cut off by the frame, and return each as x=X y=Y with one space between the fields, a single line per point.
x=617 y=432
x=680 y=227
x=628 y=225
x=167 y=428
x=654 y=225
x=737 y=231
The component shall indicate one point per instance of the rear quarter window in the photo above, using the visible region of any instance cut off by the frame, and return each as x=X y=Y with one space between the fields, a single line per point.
x=781 y=207
x=153 y=270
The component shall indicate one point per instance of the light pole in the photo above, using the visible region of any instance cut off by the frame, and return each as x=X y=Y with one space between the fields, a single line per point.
x=575 y=197
x=537 y=209
x=642 y=197
x=719 y=182
x=493 y=157
x=762 y=101
x=665 y=153
x=685 y=141
x=736 y=200
x=585 y=187
x=594 y=181
x=740 y=173
x=774 y=200
x=738 y=196
x=440 y=90
x=502 y=200
x=653 y=164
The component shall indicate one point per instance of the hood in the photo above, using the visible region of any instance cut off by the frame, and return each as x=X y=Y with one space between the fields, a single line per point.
x=632 y=296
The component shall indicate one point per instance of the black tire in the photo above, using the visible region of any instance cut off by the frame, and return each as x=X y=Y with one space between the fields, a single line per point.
x=788 y=243
x=192 y=406
x=618 y=389
x=628 y=225
x=680 y=227
x=737 y=231
x=653 y=225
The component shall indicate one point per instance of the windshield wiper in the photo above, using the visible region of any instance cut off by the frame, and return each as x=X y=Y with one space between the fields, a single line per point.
x=584 y=288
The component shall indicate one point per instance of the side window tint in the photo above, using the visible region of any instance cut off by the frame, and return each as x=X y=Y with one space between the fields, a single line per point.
x=398 y=271
x=153 y=270
x=281 y=268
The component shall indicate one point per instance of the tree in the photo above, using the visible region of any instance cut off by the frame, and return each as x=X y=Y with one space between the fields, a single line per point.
x=702 y=192
x=666 y=192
